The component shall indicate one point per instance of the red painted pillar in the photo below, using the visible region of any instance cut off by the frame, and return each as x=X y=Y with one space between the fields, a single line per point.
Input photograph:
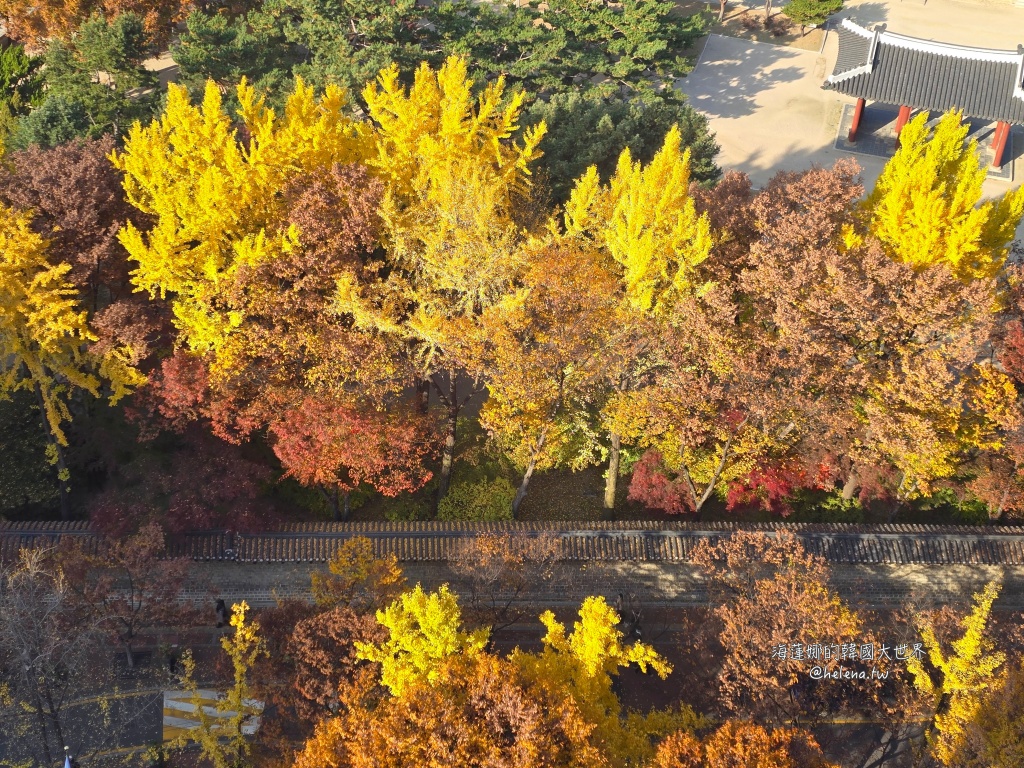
x=857 y=113
x=999 y=143
x=902 y=120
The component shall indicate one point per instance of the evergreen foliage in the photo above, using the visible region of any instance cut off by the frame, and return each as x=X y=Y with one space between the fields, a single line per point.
x=812 y=12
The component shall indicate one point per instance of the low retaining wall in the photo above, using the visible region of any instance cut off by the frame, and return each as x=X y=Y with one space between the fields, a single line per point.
x=871 y=565
x=579 y=541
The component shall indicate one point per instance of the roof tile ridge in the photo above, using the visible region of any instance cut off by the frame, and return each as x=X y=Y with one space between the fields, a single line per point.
x=1018 y=83
x=869 y=61
x=940 y=48
x=856 y=28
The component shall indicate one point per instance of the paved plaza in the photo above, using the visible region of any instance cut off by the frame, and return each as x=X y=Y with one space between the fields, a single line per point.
x=768 y=110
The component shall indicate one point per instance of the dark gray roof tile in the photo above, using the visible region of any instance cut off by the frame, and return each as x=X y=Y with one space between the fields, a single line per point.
x=927 y=75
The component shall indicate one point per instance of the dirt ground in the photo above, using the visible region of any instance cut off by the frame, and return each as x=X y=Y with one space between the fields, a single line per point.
x=748 y=24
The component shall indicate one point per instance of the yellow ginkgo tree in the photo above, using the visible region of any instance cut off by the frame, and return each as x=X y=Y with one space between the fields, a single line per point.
x=926 y=207
x=458 y=183
x=643 y=225
x=225 y=725
x=583 y=662
x=956 y=681
x=45 y=337
x=645 y=220
x=424 y=629
x=215 y=197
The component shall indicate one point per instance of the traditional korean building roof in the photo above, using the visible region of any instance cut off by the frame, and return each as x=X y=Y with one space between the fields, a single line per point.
x=894 y=69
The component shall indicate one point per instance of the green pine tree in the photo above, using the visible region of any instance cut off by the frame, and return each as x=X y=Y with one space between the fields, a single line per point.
x=101 y=70
x=811 y=12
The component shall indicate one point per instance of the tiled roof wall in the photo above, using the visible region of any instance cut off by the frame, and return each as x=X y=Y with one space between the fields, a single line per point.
x=651 y=541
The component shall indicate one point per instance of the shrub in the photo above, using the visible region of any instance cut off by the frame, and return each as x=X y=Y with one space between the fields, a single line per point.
x=818 y=505
x=483 y=500
x=406 y=507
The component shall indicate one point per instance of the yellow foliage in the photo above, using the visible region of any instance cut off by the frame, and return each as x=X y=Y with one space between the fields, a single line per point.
x=646 y=221
x=649 y=418
x=926 y=428
x=992 y=408
x=220 y=738
x=582 y=664
x=959 y=679
x=355 y=572
x=433 y=128
x=455 y=179
x=423 y=632
x=214 y=196
x=925 y=206
x=596 y=644
x=43 y=332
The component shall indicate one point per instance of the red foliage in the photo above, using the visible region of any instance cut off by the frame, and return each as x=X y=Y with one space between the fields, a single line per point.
x=1008 y=334
x=1012 y=354
x=177 y=394
x=728 y=206
x=336 y=445
x=656 y=487
x=770 y=488
x=129 y=584
x=78 y=204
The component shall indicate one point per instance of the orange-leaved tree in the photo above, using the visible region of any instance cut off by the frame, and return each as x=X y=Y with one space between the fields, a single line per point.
x=741 y=745
x=36 y=23
x=481 y=712
x=543 y=355
x=443 y=698
x=775 y=602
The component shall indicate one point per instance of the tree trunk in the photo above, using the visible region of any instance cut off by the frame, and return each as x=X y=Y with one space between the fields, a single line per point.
x=767 y=12
x=43 y=734
x=611 y=482
x=128 y=655
x=721 y=10
x=901 y=496
x=339 y=511
x=698 y=503
x=423 y=395
x=521 y=493
x=54 y=715
x=851 y=485
x=451 y=433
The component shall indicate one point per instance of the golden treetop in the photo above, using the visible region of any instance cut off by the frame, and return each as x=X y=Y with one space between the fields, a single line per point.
x=646 y=221
x=435 y=126
x=926 y=206
x=215 y=197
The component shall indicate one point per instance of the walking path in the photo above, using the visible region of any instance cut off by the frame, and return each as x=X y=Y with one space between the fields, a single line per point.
x=655 y=583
